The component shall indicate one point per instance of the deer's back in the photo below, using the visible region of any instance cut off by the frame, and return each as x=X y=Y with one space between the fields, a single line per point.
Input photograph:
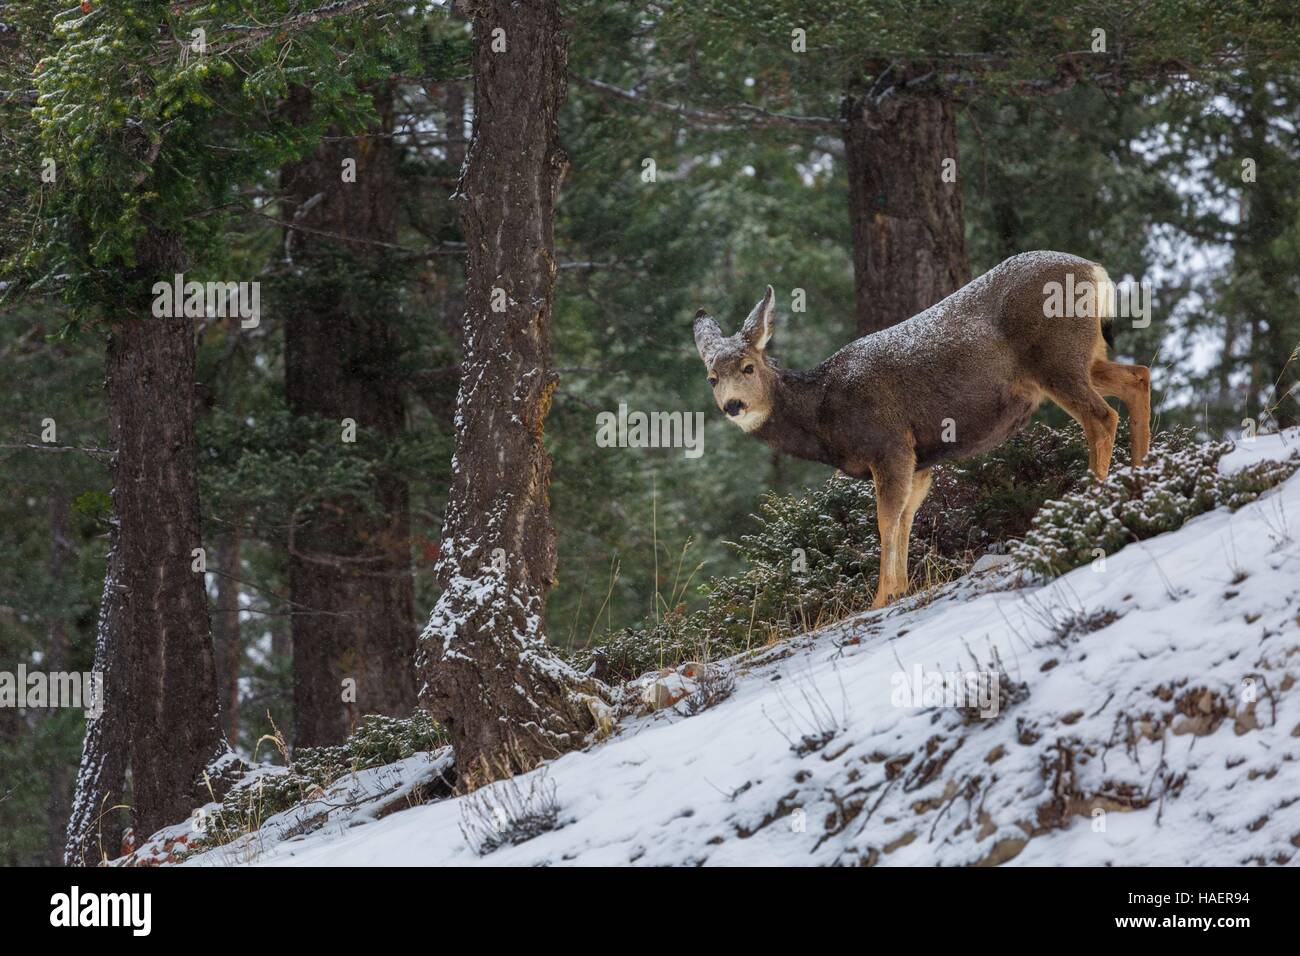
x=965 y=374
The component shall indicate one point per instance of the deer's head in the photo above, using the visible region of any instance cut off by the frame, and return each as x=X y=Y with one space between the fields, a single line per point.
x=741 y=378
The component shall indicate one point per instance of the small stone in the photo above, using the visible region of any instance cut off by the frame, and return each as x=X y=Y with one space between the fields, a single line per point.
x=989 y=561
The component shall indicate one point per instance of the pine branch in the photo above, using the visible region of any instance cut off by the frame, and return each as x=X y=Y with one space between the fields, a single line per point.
x=300 y=21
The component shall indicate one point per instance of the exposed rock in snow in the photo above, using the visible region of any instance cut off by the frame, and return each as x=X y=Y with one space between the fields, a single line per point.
x=988 y=562
x=1144 y=713
x=664 y=688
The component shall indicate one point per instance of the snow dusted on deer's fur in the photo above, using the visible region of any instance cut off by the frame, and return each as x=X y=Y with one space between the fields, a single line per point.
x=963 y=317
x=1166 y=731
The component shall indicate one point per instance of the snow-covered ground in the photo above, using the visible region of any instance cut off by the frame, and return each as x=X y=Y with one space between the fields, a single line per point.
x=1166 y=731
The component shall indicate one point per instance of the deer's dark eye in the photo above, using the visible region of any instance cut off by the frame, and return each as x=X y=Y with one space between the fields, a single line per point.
x=748 y=369
x=713 y=381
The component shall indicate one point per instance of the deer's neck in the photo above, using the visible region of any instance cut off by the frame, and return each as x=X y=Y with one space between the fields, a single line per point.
x=793 y=426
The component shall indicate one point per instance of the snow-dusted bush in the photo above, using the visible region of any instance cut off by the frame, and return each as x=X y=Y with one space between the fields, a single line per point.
x=980 y=502
x=715 y=685
x=378 y=741
x=1009 y=690
x=1179 y=480
x=812 y=558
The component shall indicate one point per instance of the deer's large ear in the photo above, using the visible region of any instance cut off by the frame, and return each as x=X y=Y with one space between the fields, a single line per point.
x=707 y=334
x=757 y=330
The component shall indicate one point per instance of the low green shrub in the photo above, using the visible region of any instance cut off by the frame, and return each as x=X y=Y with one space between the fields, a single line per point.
x=980 y=502
x=1179 y=480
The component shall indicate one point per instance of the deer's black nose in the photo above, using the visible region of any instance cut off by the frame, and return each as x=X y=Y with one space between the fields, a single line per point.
x=734 y=407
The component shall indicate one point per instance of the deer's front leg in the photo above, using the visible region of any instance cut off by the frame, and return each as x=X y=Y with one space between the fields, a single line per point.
x=893 y=479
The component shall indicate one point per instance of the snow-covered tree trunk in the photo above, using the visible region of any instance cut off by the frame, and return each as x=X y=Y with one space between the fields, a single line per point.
x=102 y=773
x=909 y=239
x=488 y=673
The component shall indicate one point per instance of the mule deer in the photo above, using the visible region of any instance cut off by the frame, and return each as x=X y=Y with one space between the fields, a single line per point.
x=956 y=380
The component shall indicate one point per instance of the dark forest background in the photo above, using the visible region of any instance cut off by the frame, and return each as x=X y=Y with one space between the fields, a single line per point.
x=1138 y=165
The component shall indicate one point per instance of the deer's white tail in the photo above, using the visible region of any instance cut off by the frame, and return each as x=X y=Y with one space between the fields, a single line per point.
x=1106 y=294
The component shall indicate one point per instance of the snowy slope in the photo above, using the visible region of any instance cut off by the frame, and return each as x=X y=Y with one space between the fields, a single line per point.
x=1168 y=735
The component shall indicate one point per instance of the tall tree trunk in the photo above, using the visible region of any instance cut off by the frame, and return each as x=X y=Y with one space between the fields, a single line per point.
x=349 y=569
x=909 y=242
x=174 y=727
x=227 y=633
x=488 y=674
x=1227 y=363
x=1255 y=390
x=94 y=827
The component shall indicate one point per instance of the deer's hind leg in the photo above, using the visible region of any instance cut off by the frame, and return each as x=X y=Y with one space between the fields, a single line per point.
x=1131 y=384
x=920 y=488
x=1081 y=400
x=894 y=480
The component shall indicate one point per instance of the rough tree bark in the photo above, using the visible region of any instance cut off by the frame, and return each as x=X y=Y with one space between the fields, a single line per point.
x=488 y=673
x=909 y=241
x=174 y=727
x=349 y=570
x=94 y=829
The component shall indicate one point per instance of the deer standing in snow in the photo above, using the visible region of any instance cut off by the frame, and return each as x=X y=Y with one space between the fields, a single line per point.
x=956 y=380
